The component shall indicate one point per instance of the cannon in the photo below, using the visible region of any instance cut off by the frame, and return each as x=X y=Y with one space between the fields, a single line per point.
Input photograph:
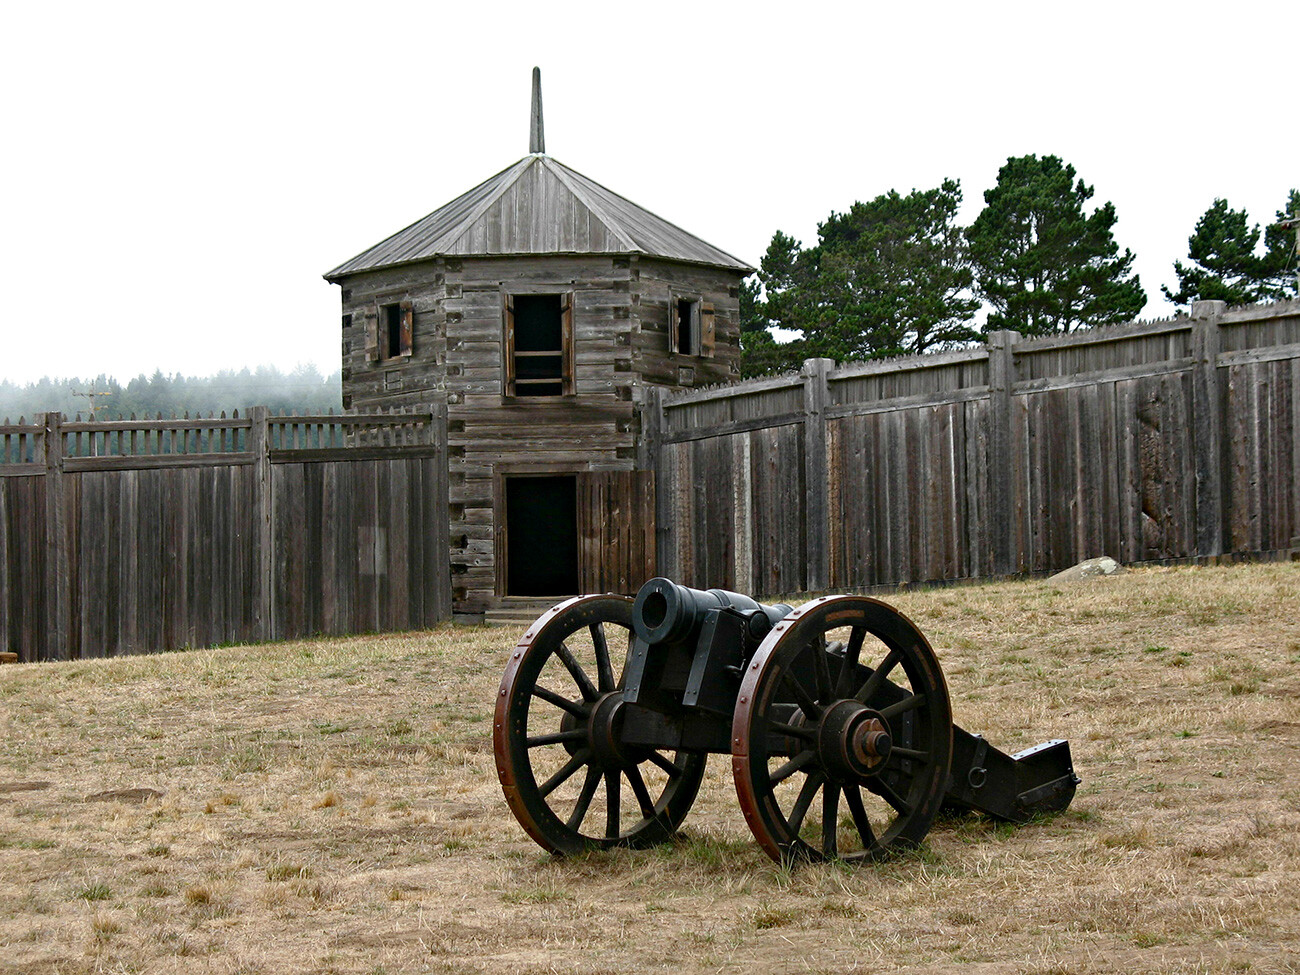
x=836 y=716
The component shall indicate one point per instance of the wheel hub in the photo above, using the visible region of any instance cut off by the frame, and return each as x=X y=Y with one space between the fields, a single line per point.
x=853 y=741
x=605 y=733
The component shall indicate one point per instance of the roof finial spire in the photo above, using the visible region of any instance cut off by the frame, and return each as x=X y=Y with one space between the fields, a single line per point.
x=536 y=138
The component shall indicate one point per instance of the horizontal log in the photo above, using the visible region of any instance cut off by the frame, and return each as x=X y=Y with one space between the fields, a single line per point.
x=734 y=427
x=21 y=470
x=143 y=462
x=917 y=401
x=1142 y=371
x=327 y=454
x=356 y=419
x=1258 y=355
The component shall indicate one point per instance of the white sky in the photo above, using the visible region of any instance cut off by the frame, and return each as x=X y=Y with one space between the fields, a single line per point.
x=176 y=177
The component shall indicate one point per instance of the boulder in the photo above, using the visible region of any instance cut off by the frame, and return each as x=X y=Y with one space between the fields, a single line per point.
x=1088 y=569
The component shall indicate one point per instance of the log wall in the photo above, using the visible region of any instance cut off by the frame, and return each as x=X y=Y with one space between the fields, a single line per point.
x=620 y=340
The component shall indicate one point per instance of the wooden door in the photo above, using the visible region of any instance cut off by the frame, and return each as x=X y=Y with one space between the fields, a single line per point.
x=616 y=530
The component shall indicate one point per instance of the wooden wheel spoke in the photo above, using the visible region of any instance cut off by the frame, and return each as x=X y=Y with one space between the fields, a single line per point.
x=902 y=707
x=806 y=702
x=580 y=808
x=878 y=677
x=886 y=791
x=556 y=738
x=666 y=764
x=612 y=800
x=830 y=812
x=807 y=734
x=849 y=665
x=642 y=794
x=821 y=668
x=589 y=692
x=560 y=777
x=801 y=803
x=795 y=764
x=575 y=708
x=604 y=669
x=853 y=796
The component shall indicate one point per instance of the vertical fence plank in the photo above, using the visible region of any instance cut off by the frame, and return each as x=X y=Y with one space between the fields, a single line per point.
x=816 y=504
x=1207 y=419
x=1002 y=474
x=58 y=601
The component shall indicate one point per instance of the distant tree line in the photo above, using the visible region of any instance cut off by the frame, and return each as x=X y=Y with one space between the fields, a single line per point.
x=304 y=390
x=898 y=276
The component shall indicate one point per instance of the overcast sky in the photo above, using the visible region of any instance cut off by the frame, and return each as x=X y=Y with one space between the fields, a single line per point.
x=178 y=176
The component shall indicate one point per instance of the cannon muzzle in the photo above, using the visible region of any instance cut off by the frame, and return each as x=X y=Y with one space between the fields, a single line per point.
x=665 y=612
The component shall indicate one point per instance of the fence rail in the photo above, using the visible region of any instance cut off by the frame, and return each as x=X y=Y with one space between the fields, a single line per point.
x=151 y=534
x=1148 y=441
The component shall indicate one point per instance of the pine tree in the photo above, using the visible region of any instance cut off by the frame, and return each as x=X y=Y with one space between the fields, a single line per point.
x=1041 y=261
x=888 y=277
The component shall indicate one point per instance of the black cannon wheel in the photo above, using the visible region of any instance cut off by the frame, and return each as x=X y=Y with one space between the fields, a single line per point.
x=569 y=780
x=842 y=735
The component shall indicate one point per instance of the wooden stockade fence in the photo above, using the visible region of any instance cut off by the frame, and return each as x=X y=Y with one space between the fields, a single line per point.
x=1147 y=442
x=134 y=535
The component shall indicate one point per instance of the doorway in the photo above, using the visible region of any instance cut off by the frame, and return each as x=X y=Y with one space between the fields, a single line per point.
x=541 y=535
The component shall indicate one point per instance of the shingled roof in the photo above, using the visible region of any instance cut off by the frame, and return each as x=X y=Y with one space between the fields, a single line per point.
x=538 y=206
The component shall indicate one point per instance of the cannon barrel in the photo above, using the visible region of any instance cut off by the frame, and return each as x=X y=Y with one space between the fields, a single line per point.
x=665 y=612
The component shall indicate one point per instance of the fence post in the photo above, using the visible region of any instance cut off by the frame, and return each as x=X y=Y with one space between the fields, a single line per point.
x=816 y=481
x=259 y=445
x=1207 y=426
x=58 y=605
x=650 y=457
x=1002 y=377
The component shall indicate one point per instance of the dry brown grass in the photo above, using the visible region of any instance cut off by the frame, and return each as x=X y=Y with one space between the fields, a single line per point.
x=331 y=806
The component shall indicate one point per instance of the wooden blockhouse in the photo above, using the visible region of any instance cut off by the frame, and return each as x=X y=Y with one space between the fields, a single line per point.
x=536 y=306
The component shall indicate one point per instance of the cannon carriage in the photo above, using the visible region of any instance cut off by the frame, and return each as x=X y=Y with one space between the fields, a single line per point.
x=836 y=716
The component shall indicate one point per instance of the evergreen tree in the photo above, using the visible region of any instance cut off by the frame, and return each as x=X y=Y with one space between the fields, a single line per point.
x=889 y=277
x=1043 y=263
x=893 y=277
x=1282 y=251
x=1224 y=261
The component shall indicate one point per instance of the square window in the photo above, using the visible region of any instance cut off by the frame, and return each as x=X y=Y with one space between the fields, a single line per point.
x=389 y=330
x=538 y=345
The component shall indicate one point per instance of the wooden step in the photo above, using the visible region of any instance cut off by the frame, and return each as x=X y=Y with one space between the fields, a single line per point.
x=518 y=611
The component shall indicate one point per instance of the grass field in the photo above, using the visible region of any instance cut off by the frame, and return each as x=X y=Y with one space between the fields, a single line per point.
x=332 y=806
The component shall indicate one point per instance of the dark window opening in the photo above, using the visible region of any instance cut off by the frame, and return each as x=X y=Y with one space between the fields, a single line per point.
x=685 y=326
x=537 y=345
x=541 y=536
x=684 y=343
x=347 y=321
x=390 y=325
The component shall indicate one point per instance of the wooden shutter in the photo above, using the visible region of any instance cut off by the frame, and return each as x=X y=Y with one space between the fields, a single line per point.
x=508 y=343
x=372 y=335
x=708 y=329
x=407 y=313
x=616 y=530
x=673 y=323
x=566 y=327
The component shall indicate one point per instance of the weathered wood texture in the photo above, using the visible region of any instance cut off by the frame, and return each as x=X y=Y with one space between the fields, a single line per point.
x=620 y=342
x=278 y=532
x=1151 y=441
x=616 y=530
